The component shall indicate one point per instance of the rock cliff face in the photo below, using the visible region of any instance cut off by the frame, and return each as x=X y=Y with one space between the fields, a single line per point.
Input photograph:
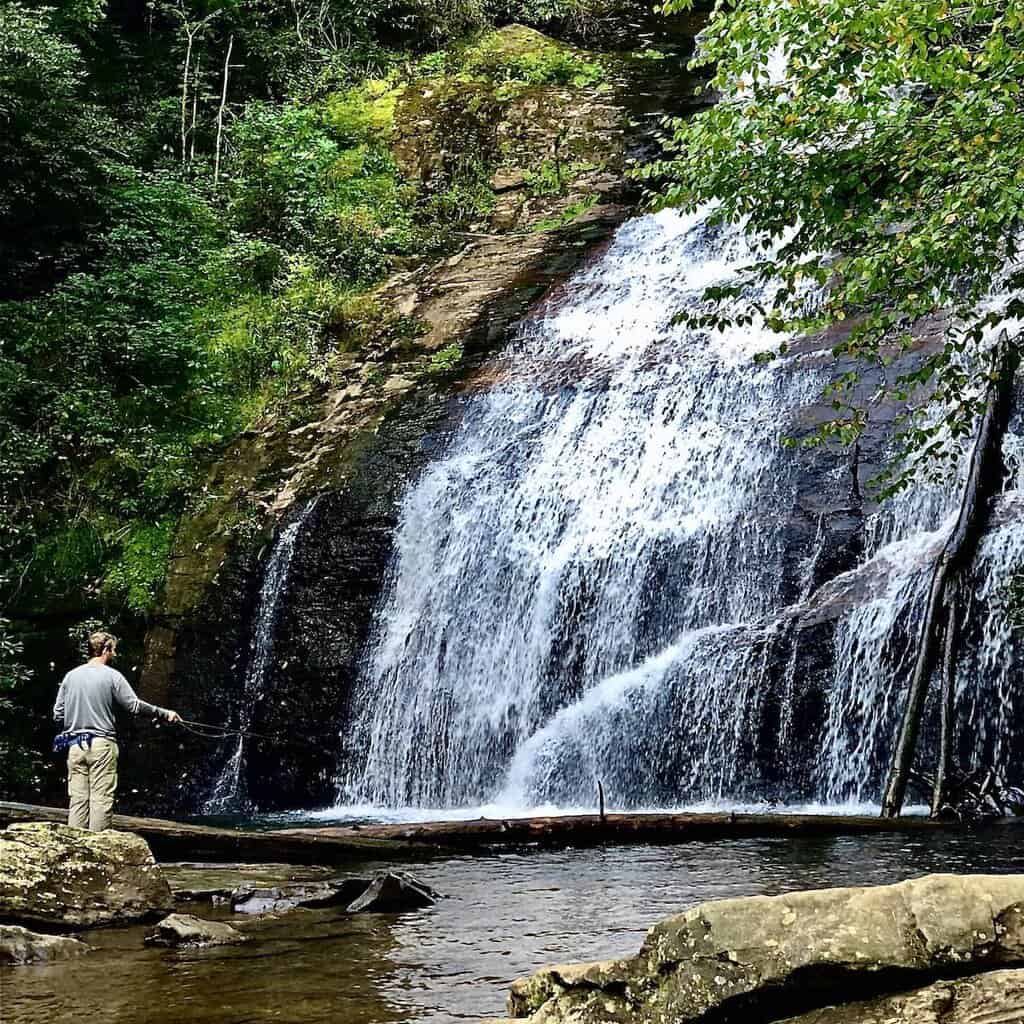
x=336 y=467
x=765 y=958
x=559 y=151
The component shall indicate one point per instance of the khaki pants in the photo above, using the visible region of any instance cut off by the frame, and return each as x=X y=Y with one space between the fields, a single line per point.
x=92 y=781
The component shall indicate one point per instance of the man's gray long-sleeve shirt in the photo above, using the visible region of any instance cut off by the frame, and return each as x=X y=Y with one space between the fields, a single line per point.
x=87 y=696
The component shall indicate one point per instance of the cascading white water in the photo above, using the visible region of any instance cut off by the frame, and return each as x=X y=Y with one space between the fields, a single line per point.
x=228 y=792
x=622 y=490
x=591 y=582
x=872 y=660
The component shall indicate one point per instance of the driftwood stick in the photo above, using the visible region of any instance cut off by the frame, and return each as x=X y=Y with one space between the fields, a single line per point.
x=947 y=710
x=600 y=799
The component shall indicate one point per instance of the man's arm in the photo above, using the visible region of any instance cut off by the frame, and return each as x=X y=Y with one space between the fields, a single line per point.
x=58 y=707
x=133 y=704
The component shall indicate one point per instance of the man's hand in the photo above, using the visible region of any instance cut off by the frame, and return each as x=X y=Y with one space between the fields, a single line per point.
x=173 y=716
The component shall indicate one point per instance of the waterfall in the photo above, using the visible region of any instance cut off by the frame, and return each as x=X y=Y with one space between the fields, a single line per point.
x=228 y=792
x=598 y=579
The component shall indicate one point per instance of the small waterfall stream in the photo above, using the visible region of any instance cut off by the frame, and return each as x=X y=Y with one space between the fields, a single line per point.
x=597 y=577
x=228 y=792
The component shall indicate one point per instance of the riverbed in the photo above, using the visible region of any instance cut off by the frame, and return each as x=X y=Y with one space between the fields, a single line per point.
x=502 y=917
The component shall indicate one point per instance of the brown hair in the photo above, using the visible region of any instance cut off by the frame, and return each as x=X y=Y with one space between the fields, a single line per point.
x=100 y=643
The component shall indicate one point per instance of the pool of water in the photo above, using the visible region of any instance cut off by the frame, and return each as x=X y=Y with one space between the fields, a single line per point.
x=503 y=916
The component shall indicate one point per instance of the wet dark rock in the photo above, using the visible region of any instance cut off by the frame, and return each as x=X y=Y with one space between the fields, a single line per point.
x=187 y=930
x=205 y=895
x=67 y=878
x=20 y=946
x=340 y=892
x=277 y=899
x=394 y=893
x=993 y=998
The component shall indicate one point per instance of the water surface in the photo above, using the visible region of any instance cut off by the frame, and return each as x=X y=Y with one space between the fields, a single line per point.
x=504 y=916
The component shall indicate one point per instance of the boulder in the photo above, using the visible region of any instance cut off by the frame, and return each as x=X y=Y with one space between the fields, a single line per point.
x=393 y=893
x=186 y=930
x=780 y=956
x=20 y=946
x=68 y=878
x=993 y=998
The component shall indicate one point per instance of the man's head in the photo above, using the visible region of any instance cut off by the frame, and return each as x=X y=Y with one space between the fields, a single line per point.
x=102 y=645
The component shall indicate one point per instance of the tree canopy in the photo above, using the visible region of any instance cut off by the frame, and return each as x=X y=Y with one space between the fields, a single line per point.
x=875 y=148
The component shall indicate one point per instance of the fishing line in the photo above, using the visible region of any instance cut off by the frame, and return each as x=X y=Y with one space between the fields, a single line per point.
x=218 y=732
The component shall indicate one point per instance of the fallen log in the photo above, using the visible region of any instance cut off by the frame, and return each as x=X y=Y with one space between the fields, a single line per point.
x=176 y=841
x=583 y=830
x=179 y=841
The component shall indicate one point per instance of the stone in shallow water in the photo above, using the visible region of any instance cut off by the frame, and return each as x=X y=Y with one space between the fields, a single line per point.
x=783 y=955
x=277 y=899
x=63 y=877
x=993 y=998
x=186 y=930
x=20 y=946
x=393 y=893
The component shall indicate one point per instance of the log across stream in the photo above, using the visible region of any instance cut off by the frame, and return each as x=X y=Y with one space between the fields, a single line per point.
x=177 y=841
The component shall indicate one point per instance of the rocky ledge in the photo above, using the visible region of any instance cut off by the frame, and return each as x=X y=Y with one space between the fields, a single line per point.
x=929 y=949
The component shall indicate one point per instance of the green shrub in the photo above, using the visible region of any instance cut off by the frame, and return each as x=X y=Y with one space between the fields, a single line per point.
x=136 y=577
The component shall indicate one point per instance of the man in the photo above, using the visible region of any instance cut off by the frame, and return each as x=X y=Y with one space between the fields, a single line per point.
x=85 y=711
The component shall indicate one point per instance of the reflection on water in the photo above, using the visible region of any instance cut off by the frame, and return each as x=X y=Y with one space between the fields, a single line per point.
x=504 y=916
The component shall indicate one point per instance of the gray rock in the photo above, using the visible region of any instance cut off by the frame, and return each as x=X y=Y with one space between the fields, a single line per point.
x=68 y=878
x=993 y=998
x=207 y=895
x=186 y=930
x=20 y=946
x=393 y=893
x=277 y=899
x=783 y=955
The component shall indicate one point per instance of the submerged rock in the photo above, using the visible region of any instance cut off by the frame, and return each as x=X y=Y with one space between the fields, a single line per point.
x=393 y=893
x=187 y=930
x=275 y=899
x=20 y=946
x=993 y=998
x=63 y=877
x=783 y=955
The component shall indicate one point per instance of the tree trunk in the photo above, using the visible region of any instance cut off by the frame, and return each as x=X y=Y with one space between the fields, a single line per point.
x=184 y=94
x=984 y=481
x=195 y=108
x=220 y=110
x=947 y=708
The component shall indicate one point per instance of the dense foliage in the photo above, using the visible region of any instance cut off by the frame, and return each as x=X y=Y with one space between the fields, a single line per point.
x=875 y=149
x=161 y=284
x=195 y=198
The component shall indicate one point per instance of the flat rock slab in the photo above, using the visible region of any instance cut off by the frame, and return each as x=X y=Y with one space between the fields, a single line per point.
x=20 y=946
x=69 y=878
x=312 y=895
x=779 y=956
x=187 y=930
x=993 y=998
x=193 y=881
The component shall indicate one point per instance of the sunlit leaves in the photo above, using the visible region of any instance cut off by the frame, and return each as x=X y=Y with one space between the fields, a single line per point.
x=884 y=139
